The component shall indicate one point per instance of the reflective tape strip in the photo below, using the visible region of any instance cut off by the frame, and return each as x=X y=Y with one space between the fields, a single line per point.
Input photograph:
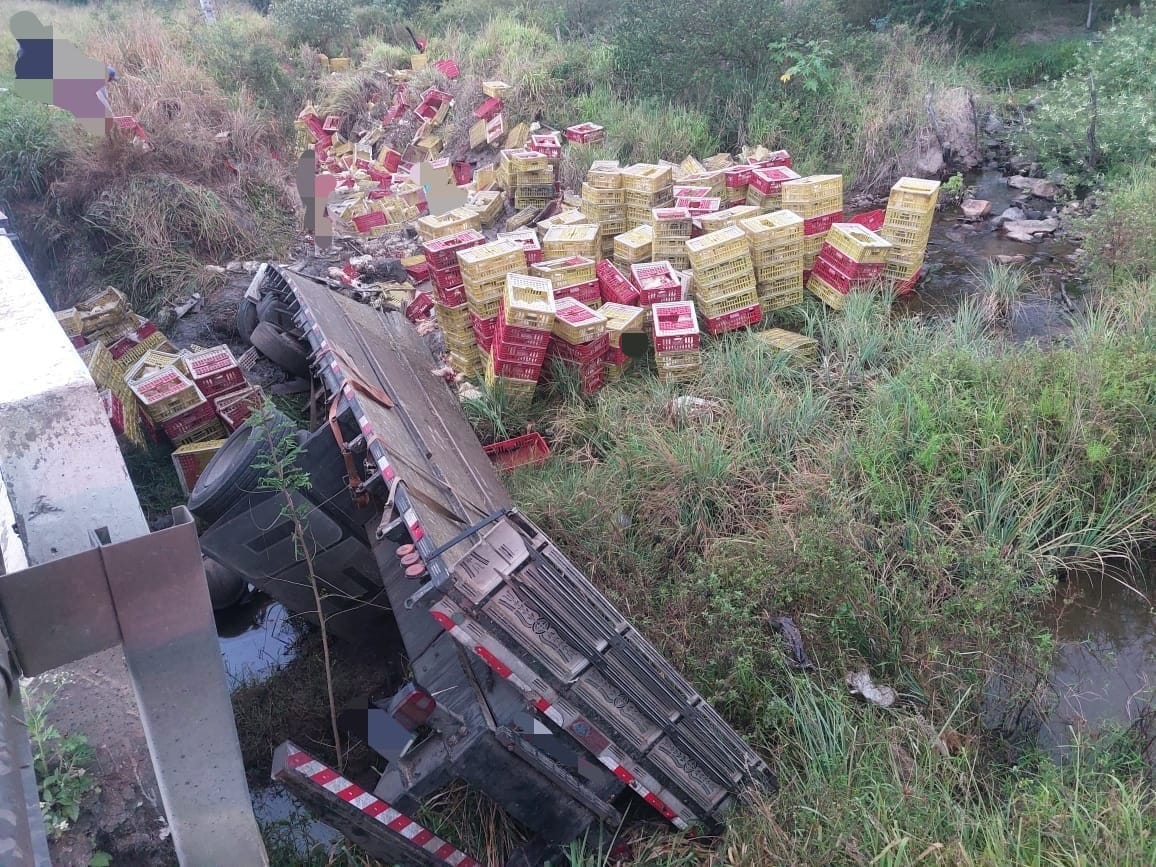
x=508 y=666
x=377 y=809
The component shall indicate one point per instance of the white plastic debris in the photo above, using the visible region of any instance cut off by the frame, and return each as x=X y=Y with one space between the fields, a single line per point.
x=861 y=684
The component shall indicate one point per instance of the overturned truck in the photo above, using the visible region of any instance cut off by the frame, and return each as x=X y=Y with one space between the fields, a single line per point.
x=526 y=683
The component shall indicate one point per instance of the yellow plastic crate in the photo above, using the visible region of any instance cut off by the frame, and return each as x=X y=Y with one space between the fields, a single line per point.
x=723 y=273
x=491 y=260
x=576 y=323
x=517 y=161
x=569 y=217
x=791 y=252
x=773 y=271
x=671 y=223
x=814 y=196
x=730 y=217
x=914 y=194
x=603 y=195
x=450 y=223
x=716 y=247
x=647 y=178
x=859 y=243
x=622 y=319
x=826 y=293
x=910 y=220
x=905 y=241
x=635 y=245
x=605 y=175
x=488 y=205
x=767 y=231
x=529 y=302
x=812 y=244
x=797 y=345
x=779 y=299
x=686 y=359
x=70 y=321
x=584 y=239
x=724 y=304
x=566 y=271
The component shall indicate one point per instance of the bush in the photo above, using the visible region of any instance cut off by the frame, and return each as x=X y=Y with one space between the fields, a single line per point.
x=33 y=141
x=1121 y=234
x=1125 y=94
x=325 y=24
x=243 y=51
x=1025 y=65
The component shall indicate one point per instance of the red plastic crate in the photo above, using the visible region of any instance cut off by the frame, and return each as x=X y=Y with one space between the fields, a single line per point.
x=615 y=356
x=654 y=275
x=733 y=321
x=489 y=109
x=449 y=68
x=528 y=337
x=768 y=180
x=419 y=307
x=517 y=370
x=418 y=273
x=443 y=252
x=515 y=352
x=873 y=220
x=675 y=327
x=187 y=422
x=370 y=221
x=235 y=406
x=737 y=176
x=527 y=450
x=845 y=279
x=844 y=263
x=585 y=133
x=451 y=296
x=700 y=206
x=818 y=225
x=483 y=328
x=446 y=278
x=78 y=340
x=587 y=293
x=588 y=353
x=215 y=370
x=613 y=286
x=908 y=285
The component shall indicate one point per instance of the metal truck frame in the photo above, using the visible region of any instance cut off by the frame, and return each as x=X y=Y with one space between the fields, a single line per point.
x=527 y=683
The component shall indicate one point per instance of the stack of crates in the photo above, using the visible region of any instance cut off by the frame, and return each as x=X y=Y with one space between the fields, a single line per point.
x=527 y=177
x=853 y=257
x=776 y=242
x=677 y=341
x=580 y=342
x=620 y=319
x=573 y=277
x=646 y=187
x=766 y=187
x=582 y=239
x=484 y=270
x=528 y=240
x=736 y=181
x=450 y=223
x=453 y=312
x=732 y=216
x=706 y=184
x=522 y=335
x=604 y=201
x=634 y=246
x=724 y=280
x=818 y=199
x=907 y=225
x=801 y=349
x=673 y=227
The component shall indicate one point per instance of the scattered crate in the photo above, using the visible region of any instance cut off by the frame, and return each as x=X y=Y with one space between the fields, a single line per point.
x=488 y=205
x=496 y=89
x=588 y=293
x=585 y=133
x=590 y=352
x=450 y=223
x=70 y=320
x=491 y=261
x=100 y=363
x=188 y=422
x=647 y=178
x=675 y=327
x=576 y=323
x=800 y=348
x=657 y=282
x=604 y=175
x=527 y=239
x=235 y=406
x=529 y=302
x=442 y=252
x=214 y=370
x=730 y=217
x=190 y=461
x=613 y=286
x=622 y=319
x=826 y=293
x=743 y=318
x=528 y=450
x=567 y=271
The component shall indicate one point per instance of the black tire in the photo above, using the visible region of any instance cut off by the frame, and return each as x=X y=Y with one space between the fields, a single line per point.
x=246 y=319
x=274 y=311
x=280 y=348
x=226 y=587
x=230 y=474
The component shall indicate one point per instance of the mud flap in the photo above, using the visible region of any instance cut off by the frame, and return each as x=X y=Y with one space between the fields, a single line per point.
x=368 y=821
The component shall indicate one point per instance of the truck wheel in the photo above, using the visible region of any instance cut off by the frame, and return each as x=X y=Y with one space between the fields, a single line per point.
x=280 y=348
x=226 y=587
x=273 y=310
x=231 y=474
x=246 y=319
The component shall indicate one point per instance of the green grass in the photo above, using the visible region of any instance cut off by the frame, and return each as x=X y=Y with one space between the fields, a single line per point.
x=34 y=140
x=1019 y=66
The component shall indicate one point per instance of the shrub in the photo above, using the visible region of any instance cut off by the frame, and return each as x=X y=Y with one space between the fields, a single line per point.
x=1121 y=234
x=324 y=24
x=243 y=51
x=33 y=141
x=1125 y=103
x=1025 y=65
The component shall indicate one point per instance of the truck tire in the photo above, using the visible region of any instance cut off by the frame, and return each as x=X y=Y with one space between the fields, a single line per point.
x=273 y=310
x=246 y=320
x=280 y=348
x=230 y=473
x=226 y=587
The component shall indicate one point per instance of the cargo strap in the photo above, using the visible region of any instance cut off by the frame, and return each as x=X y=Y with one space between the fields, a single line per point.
x=358 y=382
x=360 y=496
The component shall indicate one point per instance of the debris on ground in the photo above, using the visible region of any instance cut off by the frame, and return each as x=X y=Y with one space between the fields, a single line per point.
x=796 y=655
x=860 y=684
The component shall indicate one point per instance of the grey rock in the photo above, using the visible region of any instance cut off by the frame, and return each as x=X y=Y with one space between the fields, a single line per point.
x=974 y=209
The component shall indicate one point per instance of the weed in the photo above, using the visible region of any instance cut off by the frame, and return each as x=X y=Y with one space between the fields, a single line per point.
x=60 y=762
x=34 y=139
x=1120 y=233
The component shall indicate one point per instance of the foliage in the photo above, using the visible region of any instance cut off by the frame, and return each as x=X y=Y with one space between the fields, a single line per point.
x=1121 y=231
x=33 y=141
x=245 y=52
x=952 y=189
x=1018 y=66
x=61 y=774
x=325 y=24
x=1117 y=70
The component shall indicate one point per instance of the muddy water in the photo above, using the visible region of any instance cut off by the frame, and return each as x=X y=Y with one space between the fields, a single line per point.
x=1104 y=670
x=957 y=249
x=256 y=638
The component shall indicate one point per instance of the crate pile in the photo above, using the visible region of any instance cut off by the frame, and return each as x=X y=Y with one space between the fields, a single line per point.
x=522 y=335
x=724 y=287
x=634 y=246
x=573 y=277
x=450 y=302
x=673 y=227
x=677 y=341
x=907 y=225
x=485 y=269
x=645 y=188
x=818 y=199
x=776 y=242
x=766 y=186
x=852 y=257
x=732 y=216
x=581 y=343
x=604 y=201
x=527 y=177
x=620 y=319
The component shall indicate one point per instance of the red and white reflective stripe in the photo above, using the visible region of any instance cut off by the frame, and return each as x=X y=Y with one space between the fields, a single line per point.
x=508 y=666
x=377 y=809
x=415 y=530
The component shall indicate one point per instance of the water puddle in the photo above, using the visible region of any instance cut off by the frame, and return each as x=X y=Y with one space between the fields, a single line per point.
x=1104 y=670
x=958 y=249
x=256 y=638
